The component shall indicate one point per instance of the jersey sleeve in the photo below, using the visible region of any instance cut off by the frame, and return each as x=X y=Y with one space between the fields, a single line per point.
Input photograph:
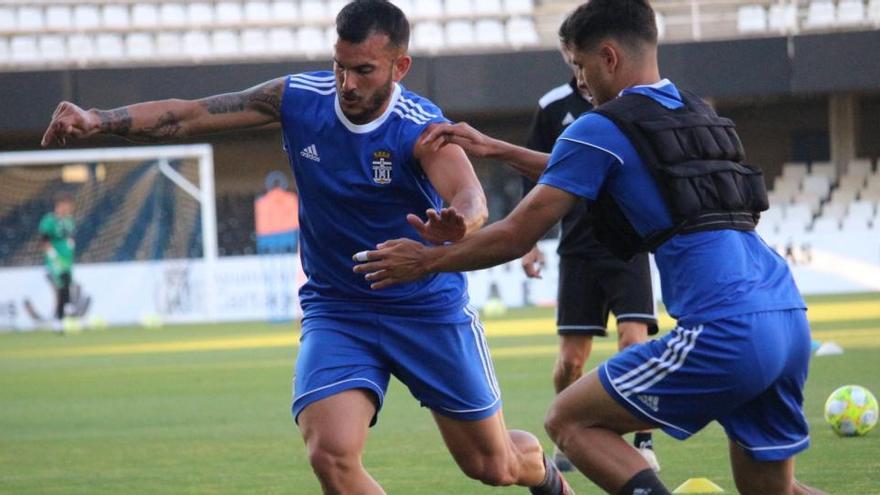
x=417 y=114
x=581 y=161
x=299 y=101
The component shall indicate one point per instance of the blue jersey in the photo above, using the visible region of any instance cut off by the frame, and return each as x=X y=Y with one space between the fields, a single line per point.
x=356 y=185
x=705 y=275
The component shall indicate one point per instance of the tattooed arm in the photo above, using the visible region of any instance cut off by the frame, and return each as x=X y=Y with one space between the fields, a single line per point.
x=167 y=120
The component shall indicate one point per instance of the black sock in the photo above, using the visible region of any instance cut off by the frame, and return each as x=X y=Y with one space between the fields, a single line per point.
x=551 y=485
x=644 y=483
x=643 y=440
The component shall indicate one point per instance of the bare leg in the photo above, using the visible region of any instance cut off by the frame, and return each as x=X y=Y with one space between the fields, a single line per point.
x=631 y=333
x=335 y=432
x=762 y=477
x=574 y=350
x=486 y=451
x=587 y=424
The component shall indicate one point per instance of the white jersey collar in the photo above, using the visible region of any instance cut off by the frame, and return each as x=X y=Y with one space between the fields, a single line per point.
x=369 y=126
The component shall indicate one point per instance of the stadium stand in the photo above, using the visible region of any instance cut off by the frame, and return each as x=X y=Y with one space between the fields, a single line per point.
x=812 y=199
x=60 y=33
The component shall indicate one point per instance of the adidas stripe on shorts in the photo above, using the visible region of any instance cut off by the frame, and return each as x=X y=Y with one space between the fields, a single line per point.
x=747 y=372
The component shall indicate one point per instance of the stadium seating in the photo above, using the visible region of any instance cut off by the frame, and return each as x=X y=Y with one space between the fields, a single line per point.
x=521 y=32
x=783 y=18
x=874 y=11
x=820 y=14
x=490 y=32
x=428 y=36
x=489 y=8
x=813 y=199
x=526 y=23
x=850 y=12
x=751 y=19
x=460 y=34
x=459 y=8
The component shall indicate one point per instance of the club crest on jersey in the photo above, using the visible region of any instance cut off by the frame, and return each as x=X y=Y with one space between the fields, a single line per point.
x=382 y=167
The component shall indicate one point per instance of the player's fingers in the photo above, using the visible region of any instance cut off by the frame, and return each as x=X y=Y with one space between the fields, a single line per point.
x=48 y=136
x=370 y=267
x=416 y=223
x=433 y=216
x=60 y=108
x=383 y=246
x=434 y=132
x=532 y=270
x=365 y=256
x=377 y=276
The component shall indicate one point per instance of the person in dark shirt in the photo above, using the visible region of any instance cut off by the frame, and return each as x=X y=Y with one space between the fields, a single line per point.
x=592 y=281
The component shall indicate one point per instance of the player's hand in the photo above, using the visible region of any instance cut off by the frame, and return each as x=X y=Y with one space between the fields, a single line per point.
x=533 y=262
x=473 y=142
x=393 y=262
x=70 y=122
x=446 y=226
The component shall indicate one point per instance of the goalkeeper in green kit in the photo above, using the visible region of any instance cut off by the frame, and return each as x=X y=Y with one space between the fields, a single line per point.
x=56 y=232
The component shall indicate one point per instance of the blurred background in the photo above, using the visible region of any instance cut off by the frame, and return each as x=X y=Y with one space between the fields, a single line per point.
x=799 y=77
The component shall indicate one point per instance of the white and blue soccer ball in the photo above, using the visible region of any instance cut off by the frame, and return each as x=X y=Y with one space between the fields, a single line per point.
x=851 y=411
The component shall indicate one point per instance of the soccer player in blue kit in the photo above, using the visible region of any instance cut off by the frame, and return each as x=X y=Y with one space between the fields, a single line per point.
x=666 y=174
x=352 y=137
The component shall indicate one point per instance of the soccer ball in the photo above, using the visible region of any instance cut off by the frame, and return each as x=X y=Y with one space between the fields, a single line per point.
x=851 y=411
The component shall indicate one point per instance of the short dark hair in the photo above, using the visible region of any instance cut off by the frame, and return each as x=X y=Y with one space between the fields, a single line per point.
x=630 y=22
x=360 y=19
x=63 y=197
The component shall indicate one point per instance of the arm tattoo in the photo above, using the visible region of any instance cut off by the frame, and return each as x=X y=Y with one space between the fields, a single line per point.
x=227 y=103
x=167 y=127
x=115 y=121
x=265 y=98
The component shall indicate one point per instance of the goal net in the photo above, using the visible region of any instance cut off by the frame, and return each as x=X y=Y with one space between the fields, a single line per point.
x=145 y=232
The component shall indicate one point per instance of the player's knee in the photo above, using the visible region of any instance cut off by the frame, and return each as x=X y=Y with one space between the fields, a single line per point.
x=570 y=366
x=330 y=463
x=555 y=423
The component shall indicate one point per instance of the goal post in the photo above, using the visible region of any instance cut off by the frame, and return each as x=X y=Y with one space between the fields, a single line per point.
x=142 y=204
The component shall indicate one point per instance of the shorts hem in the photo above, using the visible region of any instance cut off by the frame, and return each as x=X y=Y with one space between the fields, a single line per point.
x=653 y=328
x=772 y=454
x=592 y=330
x=670 y=429
x=301 y=402
x=470 y=415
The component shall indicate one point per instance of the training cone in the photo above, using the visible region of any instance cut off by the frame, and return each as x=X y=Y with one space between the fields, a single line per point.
x=698 y=485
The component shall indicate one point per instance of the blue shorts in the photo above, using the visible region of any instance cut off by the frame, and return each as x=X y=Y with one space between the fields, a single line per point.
x=445 y=362
x=747 y=372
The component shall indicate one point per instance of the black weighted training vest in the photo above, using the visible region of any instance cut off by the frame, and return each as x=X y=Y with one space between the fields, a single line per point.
x=696 y=159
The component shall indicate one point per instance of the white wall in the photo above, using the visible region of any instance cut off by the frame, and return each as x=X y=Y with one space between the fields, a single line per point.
x=263 y=287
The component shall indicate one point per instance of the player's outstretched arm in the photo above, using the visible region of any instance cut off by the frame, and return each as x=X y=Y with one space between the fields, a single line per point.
x=404 y=260
x=525 y=161
x=166 y=120
x=452 y=175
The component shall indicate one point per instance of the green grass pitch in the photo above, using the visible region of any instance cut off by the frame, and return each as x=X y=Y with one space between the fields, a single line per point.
x=205 y=410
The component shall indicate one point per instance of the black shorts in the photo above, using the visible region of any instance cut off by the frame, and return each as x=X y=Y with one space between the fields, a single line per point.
x=590 y=288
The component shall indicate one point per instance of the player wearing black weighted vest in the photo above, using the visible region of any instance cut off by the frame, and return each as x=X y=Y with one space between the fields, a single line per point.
x=696 y=159
x=592 y=281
